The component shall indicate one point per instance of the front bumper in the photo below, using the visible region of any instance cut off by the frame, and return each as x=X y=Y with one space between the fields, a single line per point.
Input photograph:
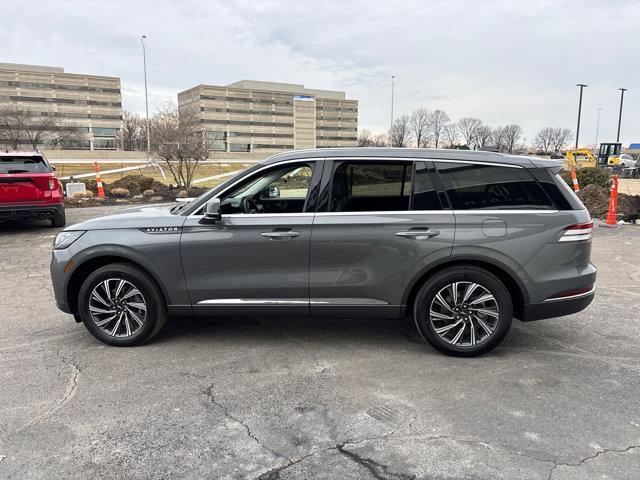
x=59 y=278
x=22 y=212
x=557 y=307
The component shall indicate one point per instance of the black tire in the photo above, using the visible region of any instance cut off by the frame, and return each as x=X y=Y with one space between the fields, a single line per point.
x=149 y=294
x=59 y=221
x=489 y=283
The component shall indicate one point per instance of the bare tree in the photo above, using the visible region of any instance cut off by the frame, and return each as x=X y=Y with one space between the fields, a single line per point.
x=468 y=127
x=439 y=120
x=450 y=135
x=483 y=137
x=544 y=140
x=133 y=135
x=178 y=142
x=561 y=137
x=365 y=138
x=512 y=134
x=380 y=140
x=419 y=124
x=20 y=126
x=401 y=132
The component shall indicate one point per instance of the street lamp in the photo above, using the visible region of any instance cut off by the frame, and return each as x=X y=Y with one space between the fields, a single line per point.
x=622 y=90
x=392 y=79
x=581 y=85
x=599 y=109
x=146 y=97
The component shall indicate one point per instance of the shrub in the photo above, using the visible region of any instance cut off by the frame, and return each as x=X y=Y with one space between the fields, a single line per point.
x=85 y=194
x=149 y=192
x=120 y=192
x=589 y=176
x=182 y=194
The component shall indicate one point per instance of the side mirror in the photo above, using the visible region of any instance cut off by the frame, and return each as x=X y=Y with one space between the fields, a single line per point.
x=270 y=192
x=212 y=212
x=53 y=168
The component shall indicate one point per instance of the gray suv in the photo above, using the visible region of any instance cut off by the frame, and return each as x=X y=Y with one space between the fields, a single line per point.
x=460 y=241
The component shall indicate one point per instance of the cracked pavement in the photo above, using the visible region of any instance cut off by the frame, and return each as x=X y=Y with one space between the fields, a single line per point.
x=316 y=399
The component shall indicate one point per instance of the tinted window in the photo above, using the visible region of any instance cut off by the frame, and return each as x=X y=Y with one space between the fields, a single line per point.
x=371 y=187
x=473 y=186
x=425 y=196
x=23 y=165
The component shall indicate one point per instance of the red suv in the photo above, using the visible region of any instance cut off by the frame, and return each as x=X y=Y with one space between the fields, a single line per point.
x=29 y=188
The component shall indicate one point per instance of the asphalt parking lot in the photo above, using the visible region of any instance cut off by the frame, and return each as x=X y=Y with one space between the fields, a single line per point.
x=302 y=399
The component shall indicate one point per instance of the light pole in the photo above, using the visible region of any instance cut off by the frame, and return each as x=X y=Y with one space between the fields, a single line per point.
x=581 y=85
x=146 y=97
x=391 y=126
x=599 y=109
x=622 y=90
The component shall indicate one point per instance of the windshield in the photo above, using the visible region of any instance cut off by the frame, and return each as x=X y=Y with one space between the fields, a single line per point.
x=20 y=164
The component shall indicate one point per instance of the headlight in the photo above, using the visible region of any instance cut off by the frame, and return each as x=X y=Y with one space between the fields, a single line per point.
x=64 y=239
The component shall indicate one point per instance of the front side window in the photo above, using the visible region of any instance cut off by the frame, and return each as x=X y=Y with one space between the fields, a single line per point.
x=281 y=189
x=474 y=186
x=371 y=187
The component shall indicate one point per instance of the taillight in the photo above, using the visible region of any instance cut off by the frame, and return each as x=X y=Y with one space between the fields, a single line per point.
x=577 y=232
x=52 y=184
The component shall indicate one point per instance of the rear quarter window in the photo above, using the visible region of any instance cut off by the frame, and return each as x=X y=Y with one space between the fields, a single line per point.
x=475 y=186
x=20 y=164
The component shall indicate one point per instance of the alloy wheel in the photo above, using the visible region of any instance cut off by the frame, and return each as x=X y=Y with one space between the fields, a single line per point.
x=464 y=313
x=117 y=307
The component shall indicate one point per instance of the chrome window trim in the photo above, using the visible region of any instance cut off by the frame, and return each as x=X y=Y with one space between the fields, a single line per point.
x=437 y=212
x=571 y=297
x=370 y=158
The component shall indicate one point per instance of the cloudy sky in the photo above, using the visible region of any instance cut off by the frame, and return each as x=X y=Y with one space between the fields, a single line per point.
x=502 y=61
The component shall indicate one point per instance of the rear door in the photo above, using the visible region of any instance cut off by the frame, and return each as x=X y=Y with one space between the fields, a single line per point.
x=379 y=223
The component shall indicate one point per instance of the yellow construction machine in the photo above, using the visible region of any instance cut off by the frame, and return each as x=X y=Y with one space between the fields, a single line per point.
x=579 y=158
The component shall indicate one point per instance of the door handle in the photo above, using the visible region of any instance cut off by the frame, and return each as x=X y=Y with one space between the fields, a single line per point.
x=280 y=234
x=419 y=234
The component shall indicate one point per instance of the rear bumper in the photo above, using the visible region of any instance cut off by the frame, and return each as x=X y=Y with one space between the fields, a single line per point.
x=557 y=307
x=42 y=212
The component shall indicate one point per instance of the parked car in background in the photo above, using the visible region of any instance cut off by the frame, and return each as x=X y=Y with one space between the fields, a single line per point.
x=461 y=241
x=29 y=188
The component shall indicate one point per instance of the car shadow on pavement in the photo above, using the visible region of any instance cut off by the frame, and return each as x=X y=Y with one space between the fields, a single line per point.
x=24 y=226
x=360 y=333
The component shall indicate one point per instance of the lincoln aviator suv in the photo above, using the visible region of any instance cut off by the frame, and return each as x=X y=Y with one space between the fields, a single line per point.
x=461 y=242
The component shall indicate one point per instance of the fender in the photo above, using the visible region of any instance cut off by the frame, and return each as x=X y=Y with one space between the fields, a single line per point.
x=480 y=255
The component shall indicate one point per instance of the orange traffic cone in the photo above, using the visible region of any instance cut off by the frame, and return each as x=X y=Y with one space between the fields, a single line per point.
x=574 y=179
x=98 y=180
x=613 y=202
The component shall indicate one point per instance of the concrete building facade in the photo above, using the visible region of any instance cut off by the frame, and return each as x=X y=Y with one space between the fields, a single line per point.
x=90 y=103
x=266 y=117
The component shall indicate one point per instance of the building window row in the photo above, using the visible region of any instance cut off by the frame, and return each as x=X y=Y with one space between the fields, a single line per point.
x=248 y=123
x=324 y=137
x=55 y=86
x=337 y=129
x=335 y=109
x=246 y=100
x=96 y=116
x=223 y=135
x=275 y=147
x=253 y=112
x=70 y=101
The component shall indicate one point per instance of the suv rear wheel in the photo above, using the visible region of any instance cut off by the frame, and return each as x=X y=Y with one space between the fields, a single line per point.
x=121 y=305
x=463 y=311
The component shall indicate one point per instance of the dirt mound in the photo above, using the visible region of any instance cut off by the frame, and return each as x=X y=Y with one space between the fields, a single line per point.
x=136 y=184
x=596 y=199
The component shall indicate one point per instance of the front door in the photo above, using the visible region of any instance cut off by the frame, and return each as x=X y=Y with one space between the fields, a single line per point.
x=379 y=224
x=256 y=259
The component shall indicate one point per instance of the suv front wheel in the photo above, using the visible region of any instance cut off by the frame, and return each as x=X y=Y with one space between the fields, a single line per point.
x=463 y=311
x=121 y=305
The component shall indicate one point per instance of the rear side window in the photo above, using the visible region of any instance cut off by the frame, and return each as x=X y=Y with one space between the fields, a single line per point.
x=474 y=186
x=371 y=187
x=20 y=164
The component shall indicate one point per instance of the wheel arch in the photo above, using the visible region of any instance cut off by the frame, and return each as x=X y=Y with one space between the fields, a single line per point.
x=92 y=263
x=512 y=282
